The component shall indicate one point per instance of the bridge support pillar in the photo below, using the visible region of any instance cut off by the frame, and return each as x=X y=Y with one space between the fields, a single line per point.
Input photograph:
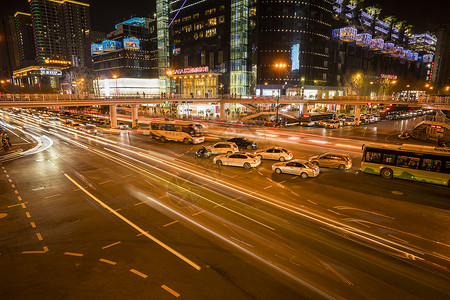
x=113 y=115
x=222 y=110
x=357 y=114
x=302 y=109
x=134 y=115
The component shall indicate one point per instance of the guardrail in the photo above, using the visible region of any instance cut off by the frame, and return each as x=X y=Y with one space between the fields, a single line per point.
x=247 y=98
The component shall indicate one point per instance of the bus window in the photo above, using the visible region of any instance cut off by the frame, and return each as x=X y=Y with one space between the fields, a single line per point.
x=373 y=157
x=169 y=127
x=176 y=128
x=429 y=164
x=408 y=161
x=155 y=126
x=446 y=167
x=388 y=159
x=162 y=126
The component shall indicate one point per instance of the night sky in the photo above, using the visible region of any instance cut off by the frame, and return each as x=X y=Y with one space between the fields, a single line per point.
x=106 y=13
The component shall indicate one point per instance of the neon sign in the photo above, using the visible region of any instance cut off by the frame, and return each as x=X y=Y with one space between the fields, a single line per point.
x=386 y=76
x=295 y=53
x=131 y=43
x=204 y=69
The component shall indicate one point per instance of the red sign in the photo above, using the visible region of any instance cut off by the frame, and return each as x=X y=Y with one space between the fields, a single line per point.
x=393 y=77
x=191 y=70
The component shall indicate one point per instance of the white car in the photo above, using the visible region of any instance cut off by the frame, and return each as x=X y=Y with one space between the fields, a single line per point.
x=246 y=160
x=332 y=124
x=91 y=129
x=302 y=168
x=122 y=125
x=222 y=148
x=275 y=153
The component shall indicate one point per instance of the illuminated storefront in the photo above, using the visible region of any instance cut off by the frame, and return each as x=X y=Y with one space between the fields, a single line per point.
x=38 y=76
x=197 y=81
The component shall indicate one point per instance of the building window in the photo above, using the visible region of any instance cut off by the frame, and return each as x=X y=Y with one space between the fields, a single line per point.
x=187 y=28
x=221 y=19
x=185 y=19
x=196 y=36
x=196 y=16
x=212 y=22
x=210 y=32
x=198 y=25
x=210 y=11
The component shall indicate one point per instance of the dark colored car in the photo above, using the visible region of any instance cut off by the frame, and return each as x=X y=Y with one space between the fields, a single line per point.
x=244 y=143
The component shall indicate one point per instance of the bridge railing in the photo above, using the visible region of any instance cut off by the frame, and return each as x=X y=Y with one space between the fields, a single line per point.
x=244 y=98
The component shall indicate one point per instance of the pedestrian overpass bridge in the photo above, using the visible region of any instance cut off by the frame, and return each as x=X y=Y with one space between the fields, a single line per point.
x=67 y=100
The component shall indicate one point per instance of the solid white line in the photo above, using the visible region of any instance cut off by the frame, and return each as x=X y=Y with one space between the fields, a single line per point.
x=174 y=252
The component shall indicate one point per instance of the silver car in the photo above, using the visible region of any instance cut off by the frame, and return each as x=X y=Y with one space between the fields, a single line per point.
x=302 y=168
x=222 y=148
x=246 y=160
x=332 y=160
x=275 y=153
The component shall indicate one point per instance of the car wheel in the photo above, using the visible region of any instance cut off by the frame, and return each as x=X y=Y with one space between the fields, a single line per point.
x=341 y=168
x=247 y=165
x=278 y=171
x=304 y=175
x=219 y=163
x=249 y=147
x=228 y=152
x=282 y=158
x=387 y=173
x=186 y=141
x=163 y=139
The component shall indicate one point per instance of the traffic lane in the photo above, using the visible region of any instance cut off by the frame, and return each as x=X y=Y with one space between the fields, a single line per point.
x=84 y=172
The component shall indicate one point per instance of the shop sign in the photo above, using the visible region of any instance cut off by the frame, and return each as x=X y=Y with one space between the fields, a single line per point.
x=386 y=76
x=204 y=69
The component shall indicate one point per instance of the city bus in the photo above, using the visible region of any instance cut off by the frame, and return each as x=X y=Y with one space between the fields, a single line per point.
x=180 y=131
x=313 y=119
x=411 y=162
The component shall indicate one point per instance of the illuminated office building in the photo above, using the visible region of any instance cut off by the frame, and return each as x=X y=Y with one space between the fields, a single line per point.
x=59 y=29
x=127 y=52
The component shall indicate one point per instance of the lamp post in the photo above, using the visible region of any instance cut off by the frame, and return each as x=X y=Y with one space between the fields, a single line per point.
x=115 y=77
x=280 y=68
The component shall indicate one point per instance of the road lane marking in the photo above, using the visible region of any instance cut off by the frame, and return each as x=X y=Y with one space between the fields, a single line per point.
x=126 y=176
x=105 y=182
x=20 y=204
x=48 y=197
x=295 y=177
x=10 y=180
x=217 y=205
x=108 y=261
x=19 y=198
x=28 y=215
x=16 y=192
x=363 y=210
x=73 y=254
x=332 y=270
x=260 y=173
x=295 y=193
x=397 y=238
x=248 y=172
x=116 y=243
x=33 y=225
x=170 y=290
x=267 y=187
x=197 y=213
x=171 y=223
x=138 y=273
x=281 y=182
x=39 y=236
x=23 y=205
x=310 y=201
x=13 y=186
x=171 y=250
x=36 y=252
x=397 y=192
x=139 y=203
x=335 y=212
x=118 y=209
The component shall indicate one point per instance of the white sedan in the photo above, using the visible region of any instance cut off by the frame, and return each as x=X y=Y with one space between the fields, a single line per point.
x=246 y=160
x=297 y=167
x=275 y=153
x=222 y=148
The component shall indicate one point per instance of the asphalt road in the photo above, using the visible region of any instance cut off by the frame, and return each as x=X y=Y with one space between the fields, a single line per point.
x=124 y=216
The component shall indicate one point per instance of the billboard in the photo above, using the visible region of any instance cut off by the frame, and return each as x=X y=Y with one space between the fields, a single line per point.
x=96 y=49
x=109 y=45
x=131 y=43
x=295 y=57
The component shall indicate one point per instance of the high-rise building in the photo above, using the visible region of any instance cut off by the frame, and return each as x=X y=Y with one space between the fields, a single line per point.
x=25 y=38
x=440 y=73
x=59 y=28
x=10 y=58
x=127 y=52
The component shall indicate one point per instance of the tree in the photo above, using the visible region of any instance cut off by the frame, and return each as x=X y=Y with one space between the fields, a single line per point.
x=374 y=12
x=76 y=78
x=390 y=20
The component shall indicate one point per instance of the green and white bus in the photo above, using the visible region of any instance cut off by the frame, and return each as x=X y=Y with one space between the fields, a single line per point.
x=410 y=162
x=180 y=131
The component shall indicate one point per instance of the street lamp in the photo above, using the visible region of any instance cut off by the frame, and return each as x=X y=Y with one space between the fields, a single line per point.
x=115 y=77
x=280 y=67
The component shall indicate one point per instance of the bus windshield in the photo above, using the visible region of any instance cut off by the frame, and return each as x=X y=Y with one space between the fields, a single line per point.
x=193 y=129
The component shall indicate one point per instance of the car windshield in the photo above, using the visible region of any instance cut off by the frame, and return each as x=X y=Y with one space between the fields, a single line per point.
x=309 y=164
x=251 y=155
x=285 y=150
x=193 y=129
